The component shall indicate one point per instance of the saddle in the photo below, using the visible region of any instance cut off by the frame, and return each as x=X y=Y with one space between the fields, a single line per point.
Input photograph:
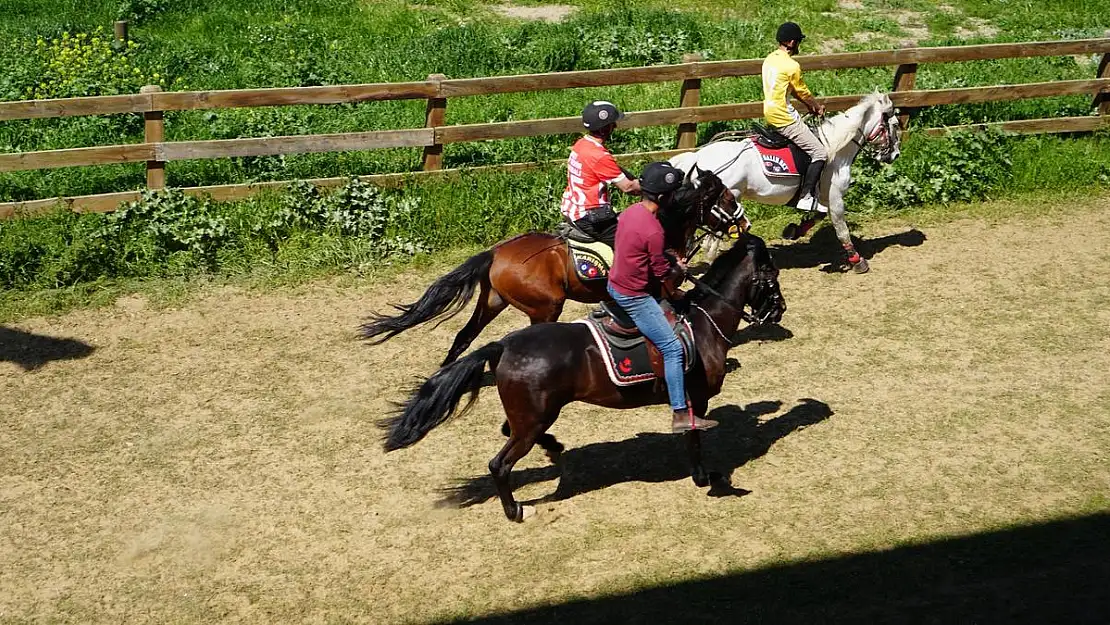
x=780 y=156
x=589 y=259
x=629 y=357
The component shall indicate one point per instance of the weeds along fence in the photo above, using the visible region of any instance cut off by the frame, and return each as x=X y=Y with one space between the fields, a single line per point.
x=437 y=90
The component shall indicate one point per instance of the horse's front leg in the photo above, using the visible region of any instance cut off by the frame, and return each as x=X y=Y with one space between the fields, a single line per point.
x=838 y=187
x=693 y=449
x=698 y=397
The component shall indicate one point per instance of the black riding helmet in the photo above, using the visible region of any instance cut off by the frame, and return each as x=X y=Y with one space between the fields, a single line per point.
x=599 y=114
x=790 y=32
x=659 y=178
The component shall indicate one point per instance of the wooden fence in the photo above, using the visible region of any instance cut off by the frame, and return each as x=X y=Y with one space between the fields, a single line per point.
x=151 y=102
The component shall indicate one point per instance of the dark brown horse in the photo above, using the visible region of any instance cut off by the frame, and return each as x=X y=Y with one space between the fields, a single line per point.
x=532 y=273
x=544 y=367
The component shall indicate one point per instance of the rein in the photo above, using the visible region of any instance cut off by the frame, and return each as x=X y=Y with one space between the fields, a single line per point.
x=714 y=324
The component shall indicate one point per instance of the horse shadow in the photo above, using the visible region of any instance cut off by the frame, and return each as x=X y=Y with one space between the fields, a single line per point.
x=761 y=332
x=655 y=457
x=31 y=351
x=823 y=249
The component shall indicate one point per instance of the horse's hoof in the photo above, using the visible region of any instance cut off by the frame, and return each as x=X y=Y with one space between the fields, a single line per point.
x=527 y=512
x=790 y=232
x=861 y=266
x=701 y=480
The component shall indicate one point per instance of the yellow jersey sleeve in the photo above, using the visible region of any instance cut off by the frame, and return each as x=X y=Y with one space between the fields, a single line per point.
x=781 y=75
x=798 y=84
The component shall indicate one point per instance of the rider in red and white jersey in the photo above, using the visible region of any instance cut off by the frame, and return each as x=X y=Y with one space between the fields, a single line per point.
x=590 y=171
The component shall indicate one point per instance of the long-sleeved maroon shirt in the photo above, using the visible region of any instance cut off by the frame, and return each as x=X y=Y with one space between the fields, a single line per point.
x=638 y=254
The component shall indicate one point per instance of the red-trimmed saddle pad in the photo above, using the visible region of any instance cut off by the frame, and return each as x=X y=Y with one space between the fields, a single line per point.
x=628 y=360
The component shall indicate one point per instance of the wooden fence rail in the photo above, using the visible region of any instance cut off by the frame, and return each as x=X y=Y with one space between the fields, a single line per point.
x=437 y=89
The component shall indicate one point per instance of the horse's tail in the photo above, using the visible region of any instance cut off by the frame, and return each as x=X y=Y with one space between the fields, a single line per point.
x=436 y=399
x=444 y=299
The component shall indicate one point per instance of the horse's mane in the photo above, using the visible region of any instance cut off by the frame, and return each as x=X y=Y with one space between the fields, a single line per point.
x=841 y=129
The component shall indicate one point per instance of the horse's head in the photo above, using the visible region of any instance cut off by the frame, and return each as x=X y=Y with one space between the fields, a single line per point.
x=881 y=128
x=746 y=277
x=718 y=211
x=764 y=295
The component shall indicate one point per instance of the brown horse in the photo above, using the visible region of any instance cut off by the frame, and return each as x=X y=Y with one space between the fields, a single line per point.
x=532 y=272
x=544 y=367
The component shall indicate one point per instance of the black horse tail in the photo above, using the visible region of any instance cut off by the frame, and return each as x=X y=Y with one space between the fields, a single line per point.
x=444 y=299
x=436 y=399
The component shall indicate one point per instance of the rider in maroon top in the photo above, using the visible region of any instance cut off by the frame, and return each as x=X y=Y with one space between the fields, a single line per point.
x=641 y=263
x=638 y=272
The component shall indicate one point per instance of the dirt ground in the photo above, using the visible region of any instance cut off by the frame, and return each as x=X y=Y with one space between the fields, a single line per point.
x=219 y=461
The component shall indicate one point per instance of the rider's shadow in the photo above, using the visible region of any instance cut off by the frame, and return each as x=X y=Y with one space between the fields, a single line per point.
x=655 y=457
x=823 y=248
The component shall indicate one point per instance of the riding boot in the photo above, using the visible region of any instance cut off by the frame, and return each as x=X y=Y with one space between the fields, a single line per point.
x=685 y=420
x=808 y=199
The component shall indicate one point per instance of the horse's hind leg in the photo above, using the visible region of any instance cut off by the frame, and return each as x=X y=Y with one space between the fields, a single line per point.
x=551 y=446
x=518 y=446
x=490 y=304
x=545 y=313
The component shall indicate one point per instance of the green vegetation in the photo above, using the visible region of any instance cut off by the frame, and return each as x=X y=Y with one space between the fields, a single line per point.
x=202 y=44
x=60 y=48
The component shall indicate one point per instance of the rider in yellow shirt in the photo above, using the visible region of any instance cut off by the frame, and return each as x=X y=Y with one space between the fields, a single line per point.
x=782 y=77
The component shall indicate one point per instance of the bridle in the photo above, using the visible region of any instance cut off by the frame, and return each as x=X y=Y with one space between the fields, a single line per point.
x=726 y=220
x=880 y=141
x=764 y=287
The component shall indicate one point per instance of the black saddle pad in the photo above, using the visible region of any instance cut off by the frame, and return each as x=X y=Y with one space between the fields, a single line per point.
x=626 y=358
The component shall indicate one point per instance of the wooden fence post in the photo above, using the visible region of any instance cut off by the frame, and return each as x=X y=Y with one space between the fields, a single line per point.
x=690 y=96
x=154 y=131
x=433 y=118
x=1102 y=100
x=121 y=31
x=905 y=77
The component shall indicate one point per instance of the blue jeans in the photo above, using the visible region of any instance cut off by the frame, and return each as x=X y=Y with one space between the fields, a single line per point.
x=649 y=318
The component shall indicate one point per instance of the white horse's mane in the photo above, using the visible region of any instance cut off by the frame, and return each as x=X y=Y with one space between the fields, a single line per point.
x=841 y=129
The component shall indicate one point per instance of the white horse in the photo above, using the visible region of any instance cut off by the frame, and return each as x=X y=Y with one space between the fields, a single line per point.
x=871 y=123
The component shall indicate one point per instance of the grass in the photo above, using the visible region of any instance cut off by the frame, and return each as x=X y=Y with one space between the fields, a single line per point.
x=63 y=260
x=209 y=45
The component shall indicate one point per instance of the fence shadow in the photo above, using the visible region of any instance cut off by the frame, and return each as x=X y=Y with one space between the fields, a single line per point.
x=653 y=457
x=1054 y=572
x=31 y=351
x=823 y=249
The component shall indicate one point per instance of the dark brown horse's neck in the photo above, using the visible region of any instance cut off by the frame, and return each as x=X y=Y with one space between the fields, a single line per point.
x=725 y=319
x=726 y=312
